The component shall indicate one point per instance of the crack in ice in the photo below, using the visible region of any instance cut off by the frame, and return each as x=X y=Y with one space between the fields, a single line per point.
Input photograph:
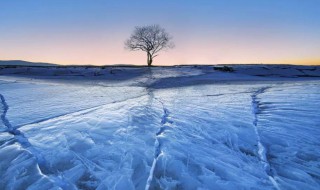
x=157 y=144
x=80 y=112
x=4 y=113
x=158 y=152
x=19 y=136
x=24 y=142
x=261 y=149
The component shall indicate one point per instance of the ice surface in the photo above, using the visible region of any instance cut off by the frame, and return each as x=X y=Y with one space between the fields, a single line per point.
x=165 y=128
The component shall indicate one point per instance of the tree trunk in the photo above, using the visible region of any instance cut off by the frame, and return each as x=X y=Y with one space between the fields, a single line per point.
x=149 y=61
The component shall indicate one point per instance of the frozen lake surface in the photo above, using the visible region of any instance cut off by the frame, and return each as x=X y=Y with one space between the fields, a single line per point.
x=164 y=128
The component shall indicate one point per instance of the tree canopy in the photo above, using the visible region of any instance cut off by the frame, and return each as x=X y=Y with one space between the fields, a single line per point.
x=151 y=39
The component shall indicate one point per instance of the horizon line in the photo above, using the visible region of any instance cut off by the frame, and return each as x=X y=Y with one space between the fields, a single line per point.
x=141 y=65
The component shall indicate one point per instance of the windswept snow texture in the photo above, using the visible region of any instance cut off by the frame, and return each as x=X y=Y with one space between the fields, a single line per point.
x=160 y=128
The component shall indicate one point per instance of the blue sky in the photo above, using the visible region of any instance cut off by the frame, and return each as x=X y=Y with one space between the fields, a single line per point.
x=204 y=31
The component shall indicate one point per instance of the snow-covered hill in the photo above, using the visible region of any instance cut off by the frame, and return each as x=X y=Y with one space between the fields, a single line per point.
x=191 y=127
x=24 y=63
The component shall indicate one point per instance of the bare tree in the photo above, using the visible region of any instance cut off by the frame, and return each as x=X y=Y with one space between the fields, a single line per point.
x=151 y=39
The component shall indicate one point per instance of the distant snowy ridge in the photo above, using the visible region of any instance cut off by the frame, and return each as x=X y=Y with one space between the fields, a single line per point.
x=24 y=63
x=180 y=75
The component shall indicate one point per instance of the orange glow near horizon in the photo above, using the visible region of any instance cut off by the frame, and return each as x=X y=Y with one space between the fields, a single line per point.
x=98 y=52
x=139 y=58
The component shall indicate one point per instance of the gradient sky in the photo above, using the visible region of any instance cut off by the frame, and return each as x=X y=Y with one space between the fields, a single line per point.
x=204 y=31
